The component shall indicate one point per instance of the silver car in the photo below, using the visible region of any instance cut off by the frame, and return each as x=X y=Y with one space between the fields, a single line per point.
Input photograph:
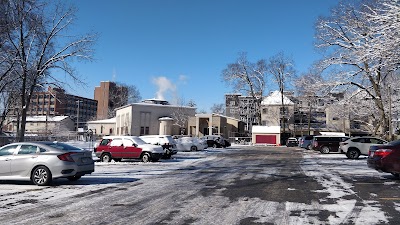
x=41 y=162
x=189 y=144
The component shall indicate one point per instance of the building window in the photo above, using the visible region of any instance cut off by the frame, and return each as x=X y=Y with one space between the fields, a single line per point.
x=145 y=123
x=144 y=130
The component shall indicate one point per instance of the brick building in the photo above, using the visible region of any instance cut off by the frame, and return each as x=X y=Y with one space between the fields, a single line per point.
x=55 y=102
x=109 y=96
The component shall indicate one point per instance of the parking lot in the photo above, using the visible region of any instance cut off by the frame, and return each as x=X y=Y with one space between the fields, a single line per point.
x=236 y=185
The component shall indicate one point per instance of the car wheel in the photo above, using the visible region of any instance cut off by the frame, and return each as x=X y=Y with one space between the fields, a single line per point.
x=106 y=157
x=193 y=148
x=325 y=150
x=353 y=154
x=74 y=178
x=146 y=158
x=41 y=176
x=215 y=146
x=308 y=147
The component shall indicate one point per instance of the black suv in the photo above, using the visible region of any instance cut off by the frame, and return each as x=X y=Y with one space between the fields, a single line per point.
x=216 y=141
x=326 y=144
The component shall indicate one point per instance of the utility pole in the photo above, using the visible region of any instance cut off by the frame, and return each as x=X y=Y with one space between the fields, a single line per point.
x=77 y=117
x=390 y=115
x=309 y=117
x=349 y=123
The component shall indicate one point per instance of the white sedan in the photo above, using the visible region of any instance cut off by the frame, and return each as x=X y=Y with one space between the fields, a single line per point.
x=189 y=144
x=354 y=147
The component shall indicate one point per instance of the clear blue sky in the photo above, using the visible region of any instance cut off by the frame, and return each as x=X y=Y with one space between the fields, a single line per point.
x=185 y=44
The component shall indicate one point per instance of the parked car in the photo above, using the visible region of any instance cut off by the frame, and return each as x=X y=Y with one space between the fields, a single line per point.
x=354 y=147
x=216 y=141
x=385 y=158
x=5 y=138
x=292 y=142
x=306 y=141
x=326 y=144
x=167 y=142
x=127 y=147
x=42 y=162
x=189 y=144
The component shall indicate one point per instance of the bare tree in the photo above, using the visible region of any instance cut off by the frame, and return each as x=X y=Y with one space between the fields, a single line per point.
x=362 y=46
x=309 y=86
x=120 y=95
x=39 y=41
x=282 y=69
x=249 y=78
x=201 y=111
x=180 y=115
x=218 y=108
x=191 y=103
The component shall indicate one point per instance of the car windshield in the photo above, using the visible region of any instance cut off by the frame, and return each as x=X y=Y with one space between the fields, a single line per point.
x=138 y=141
x=61 y=146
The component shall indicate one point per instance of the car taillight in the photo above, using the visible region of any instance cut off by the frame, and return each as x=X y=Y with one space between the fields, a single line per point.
x=315 y=143
x=66 y=157
x=382 y=152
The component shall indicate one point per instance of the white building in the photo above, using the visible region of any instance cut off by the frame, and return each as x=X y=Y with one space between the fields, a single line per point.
x=152 y=117
x=102 y=127
x=272 y=112
x=46 y=124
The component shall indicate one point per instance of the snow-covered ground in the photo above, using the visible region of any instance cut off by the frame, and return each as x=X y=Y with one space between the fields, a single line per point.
x=334 y=172
x=329 y=170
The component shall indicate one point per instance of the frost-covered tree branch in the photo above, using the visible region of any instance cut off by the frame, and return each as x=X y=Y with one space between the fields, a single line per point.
x=361 y=44
x=39 y=42
x=249 y=78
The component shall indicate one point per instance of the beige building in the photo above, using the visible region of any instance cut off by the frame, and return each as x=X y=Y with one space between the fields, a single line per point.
x=210 y=124
x=152 y=117
x=47 y=124
x=102 y=127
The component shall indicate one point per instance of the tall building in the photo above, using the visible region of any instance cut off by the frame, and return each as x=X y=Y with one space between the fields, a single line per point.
x=232 y=105
x=242 y=108
x=109 y=97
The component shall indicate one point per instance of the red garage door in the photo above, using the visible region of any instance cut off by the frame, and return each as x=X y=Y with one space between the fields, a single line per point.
x=266 y=139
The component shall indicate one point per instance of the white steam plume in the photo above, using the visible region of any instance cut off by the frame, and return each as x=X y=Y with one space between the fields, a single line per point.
x=164 y=87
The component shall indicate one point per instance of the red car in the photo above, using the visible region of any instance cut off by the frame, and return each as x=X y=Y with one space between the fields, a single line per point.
x=127 y=147
x=385 y=158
